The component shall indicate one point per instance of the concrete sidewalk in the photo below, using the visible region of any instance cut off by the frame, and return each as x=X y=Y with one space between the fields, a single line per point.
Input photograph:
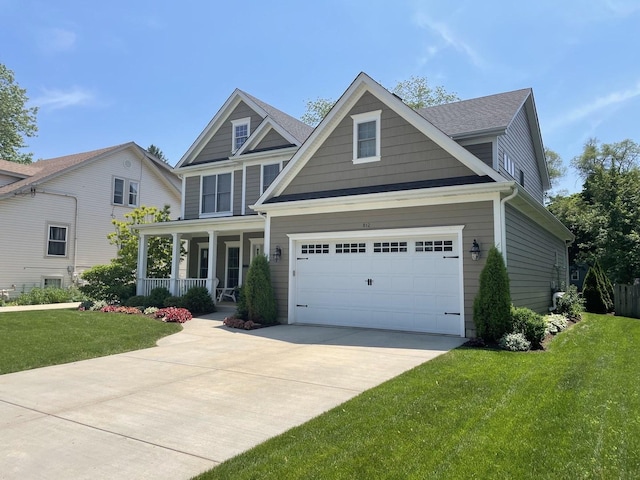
x=202 y=396
x=48 y=306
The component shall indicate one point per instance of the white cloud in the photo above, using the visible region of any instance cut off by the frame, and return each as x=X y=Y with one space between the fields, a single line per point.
x=55 y=99
x=448 y=37
x=57 y=40
x=598 y=105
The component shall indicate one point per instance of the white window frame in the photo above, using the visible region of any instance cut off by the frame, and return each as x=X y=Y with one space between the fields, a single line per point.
x=257 y=247
x=216 y=213
x=48 y=239
x=263 y=187
x=126 y=192
x=365 y=118
x=509 y=165
x=239 y=123
x=228 y=246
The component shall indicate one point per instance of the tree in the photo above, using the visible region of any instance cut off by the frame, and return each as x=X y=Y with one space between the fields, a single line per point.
x=126 y=238
x=554 y=166
x=258 y=292
x=605 y=216
x=16 y=120
x=492 y=305
x=156 y=152
x=415 y=92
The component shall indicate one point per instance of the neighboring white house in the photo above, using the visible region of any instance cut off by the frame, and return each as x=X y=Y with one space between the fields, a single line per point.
x=55 y=214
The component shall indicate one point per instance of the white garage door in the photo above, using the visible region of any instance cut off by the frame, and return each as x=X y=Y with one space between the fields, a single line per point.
x=402 y=283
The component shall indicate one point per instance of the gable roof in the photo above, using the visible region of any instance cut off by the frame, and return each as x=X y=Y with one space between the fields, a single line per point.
x=363 y=83
x=290 y=128
x=477 y=116
x=44 y=170
x=19 y=170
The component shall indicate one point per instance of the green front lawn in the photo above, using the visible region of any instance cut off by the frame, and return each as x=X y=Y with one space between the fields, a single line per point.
x=34 y=339
x=572 y=412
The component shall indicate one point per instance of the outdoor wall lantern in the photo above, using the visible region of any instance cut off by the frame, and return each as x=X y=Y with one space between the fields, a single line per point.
x=277 y=253
x=475 y=251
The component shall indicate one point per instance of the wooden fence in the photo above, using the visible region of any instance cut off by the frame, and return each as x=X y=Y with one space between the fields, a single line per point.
x=627 y=300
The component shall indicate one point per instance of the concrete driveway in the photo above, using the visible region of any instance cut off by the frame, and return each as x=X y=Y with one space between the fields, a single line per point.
x=202 y=396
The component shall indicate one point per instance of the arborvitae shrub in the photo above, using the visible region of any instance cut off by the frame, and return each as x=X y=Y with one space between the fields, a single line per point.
x=241 y=306
x=597 y=291
x=492 y=305
x=198 y=301
x=258 y=292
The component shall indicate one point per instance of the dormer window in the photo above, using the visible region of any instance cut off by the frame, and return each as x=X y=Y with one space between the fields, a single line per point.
x=366 y=137
x=241 y=129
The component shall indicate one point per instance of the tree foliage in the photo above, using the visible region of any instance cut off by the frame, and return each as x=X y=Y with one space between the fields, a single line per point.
x=415 y=92
x=259 y=297
x=605 y=216
x=16 y=120
x=126 y=237
x=156 y=152
x=554 y=165
x=492 y=305
x=598 y=290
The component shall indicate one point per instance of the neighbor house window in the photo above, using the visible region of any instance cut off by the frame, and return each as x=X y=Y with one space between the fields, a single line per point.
x=216 y=193
x=57 y=241
x=241 y=130
x=52 y=282
x=366 y=137
x=269 y=174
x=125 y=192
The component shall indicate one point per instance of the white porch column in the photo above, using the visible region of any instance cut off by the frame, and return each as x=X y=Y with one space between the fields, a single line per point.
x=211 y=266
x=175 y=264
x=142 y=264
x=241 y=259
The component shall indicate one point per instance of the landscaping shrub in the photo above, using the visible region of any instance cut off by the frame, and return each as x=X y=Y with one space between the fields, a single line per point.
x=157 y=296
x=259 y=296
x=112 y=283
x=241 y=306
x=198 y=300
x=555 y=323
x=173 y=314
x=492 y=305
x=528 y=323
x=516 y=342
x=571 y=304
x=597 y=290
x=137 y=301
x=150 y=310
x=42 y=296
x=173 y=302
x=120 y=309
x=98 y=305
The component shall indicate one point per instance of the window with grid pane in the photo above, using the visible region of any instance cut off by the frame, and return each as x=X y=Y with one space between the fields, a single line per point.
x=367 y=139
x=240 y=130
x=133 y=194
x=269 y=174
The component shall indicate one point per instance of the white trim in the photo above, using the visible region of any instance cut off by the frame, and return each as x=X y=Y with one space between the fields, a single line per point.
x=243 y=207
x=493 y=140
x=294 y=238
x=227 y=246
x=253 y=241
x=498 y=224
x=202 y=246
x=239 y=123
x=263 y=129
x=225 y=213
x=126 y=190
x=365 y=118
x=67 y=231
x=183 y=193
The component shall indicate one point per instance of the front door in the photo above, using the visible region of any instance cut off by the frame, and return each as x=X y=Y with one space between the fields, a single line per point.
x=233 y=267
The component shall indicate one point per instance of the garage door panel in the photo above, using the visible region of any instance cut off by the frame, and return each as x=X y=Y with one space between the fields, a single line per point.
x=397 y=287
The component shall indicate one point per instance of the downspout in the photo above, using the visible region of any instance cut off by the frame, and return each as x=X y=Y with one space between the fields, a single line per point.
x=34 y=190
x=503 y=220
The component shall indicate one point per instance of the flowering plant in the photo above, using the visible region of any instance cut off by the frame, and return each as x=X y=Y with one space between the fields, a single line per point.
x=173 y=314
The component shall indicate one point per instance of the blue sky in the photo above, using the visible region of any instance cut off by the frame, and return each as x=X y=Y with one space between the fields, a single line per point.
x=105 y=73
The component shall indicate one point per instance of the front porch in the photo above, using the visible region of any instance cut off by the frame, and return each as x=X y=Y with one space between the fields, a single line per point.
x=213 y=253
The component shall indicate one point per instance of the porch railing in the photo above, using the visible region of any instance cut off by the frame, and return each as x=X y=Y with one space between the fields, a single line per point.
x=181 y=285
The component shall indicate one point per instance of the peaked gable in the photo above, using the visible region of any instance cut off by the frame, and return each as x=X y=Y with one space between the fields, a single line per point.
x=360 y=90
x=215 y=141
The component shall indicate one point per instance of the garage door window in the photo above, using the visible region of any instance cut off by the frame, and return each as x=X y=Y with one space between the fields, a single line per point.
x=435 y=246
x=315 y=248
x=389 y=247
x=351 y=248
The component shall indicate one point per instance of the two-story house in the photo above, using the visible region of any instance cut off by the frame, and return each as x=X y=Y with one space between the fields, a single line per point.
x=56 y=213
x=380 y=217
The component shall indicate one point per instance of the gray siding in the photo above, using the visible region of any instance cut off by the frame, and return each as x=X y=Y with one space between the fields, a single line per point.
x=272 y=140
x=484 y=151
x=532 y=256
x=407 y=155
x=477 y=218
x=237 y=192
x=252 y=187
x=518 y=145
x=192 y=198
x=220 y=144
